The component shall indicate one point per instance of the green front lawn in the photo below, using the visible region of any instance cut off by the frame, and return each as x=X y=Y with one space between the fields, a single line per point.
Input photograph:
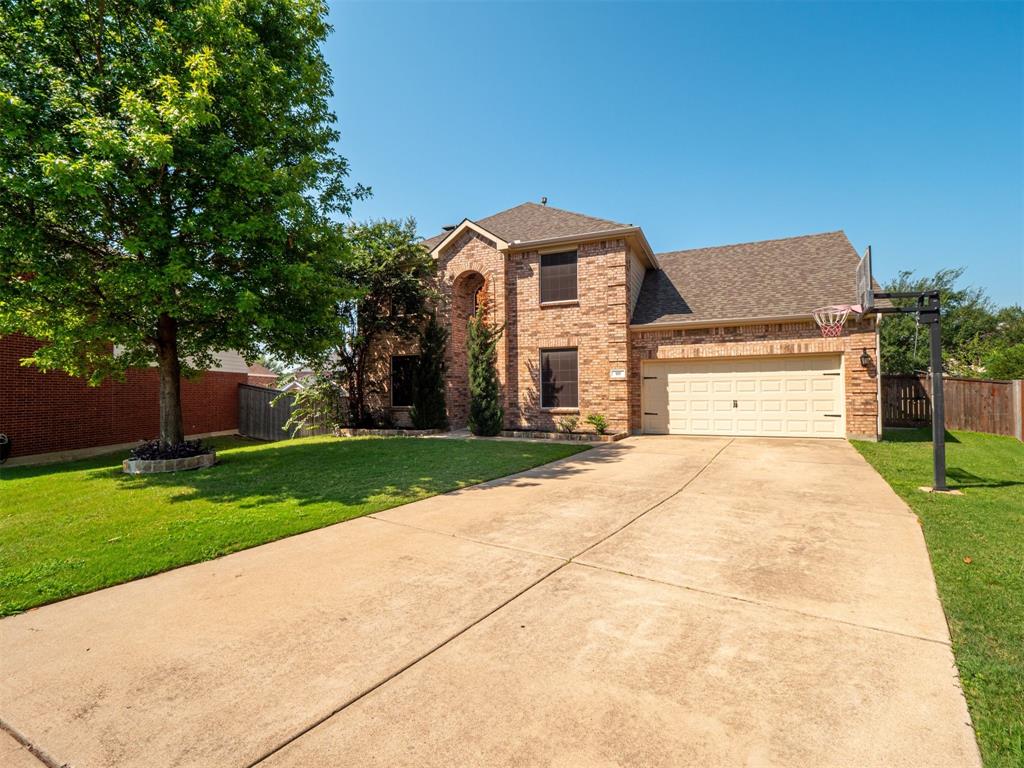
x=71 y=528
x=976 y=543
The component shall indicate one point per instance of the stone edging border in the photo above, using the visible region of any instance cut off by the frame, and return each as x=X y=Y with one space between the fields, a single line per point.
x=351 y=432
x=153 y=466
x=578 y=437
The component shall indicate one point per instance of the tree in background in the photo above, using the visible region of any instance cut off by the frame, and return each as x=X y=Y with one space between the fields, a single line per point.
x=320 y=402
x=1006 y=363
x=168 y=180
x=428 y=407
x=972 y=329
x=271 y=363
x=395 y=275
x=486 y=416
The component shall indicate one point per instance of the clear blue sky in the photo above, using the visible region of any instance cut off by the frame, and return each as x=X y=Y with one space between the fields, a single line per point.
x=705 y=124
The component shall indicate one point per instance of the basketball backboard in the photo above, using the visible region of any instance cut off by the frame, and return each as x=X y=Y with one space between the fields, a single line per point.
x=865 y=283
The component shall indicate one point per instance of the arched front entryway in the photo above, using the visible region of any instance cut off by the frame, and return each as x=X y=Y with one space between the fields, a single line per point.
x=469 y=291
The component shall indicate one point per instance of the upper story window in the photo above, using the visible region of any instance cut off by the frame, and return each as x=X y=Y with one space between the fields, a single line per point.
x=402 y=370
x=558 y=277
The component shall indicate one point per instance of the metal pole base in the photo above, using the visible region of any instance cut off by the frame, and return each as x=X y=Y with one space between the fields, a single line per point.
x=944 y=491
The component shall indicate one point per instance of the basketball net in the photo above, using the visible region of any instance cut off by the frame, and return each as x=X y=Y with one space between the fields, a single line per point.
x=831 y=319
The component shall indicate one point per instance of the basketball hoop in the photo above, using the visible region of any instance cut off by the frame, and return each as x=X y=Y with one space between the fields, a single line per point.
x=831 y=319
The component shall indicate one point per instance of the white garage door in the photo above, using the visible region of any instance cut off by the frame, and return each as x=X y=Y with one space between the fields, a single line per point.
x=772 y=396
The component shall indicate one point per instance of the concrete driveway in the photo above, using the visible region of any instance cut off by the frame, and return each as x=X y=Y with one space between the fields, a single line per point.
x=655 y=602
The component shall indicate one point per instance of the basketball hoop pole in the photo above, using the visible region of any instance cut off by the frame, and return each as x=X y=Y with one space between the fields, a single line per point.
x=934 y=320
x=928 y=311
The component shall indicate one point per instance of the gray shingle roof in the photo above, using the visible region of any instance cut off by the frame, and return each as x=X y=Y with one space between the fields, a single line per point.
x=532 y=221
x=771 y=278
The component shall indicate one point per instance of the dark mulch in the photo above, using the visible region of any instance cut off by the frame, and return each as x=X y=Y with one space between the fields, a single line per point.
x=153 y=450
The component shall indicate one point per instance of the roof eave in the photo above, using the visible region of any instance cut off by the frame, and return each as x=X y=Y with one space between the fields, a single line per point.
x=623 y=232
x=462 y=227
x=677 y=325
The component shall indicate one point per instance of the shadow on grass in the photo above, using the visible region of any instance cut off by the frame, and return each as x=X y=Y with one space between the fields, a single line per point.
x=358 y=472
x=961 y=478
x=109 y=461
x=912 y=435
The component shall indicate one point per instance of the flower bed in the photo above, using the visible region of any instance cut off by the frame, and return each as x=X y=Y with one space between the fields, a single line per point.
x=152 y=457
x=583 y=437
x=353 y=432
x=152 y=466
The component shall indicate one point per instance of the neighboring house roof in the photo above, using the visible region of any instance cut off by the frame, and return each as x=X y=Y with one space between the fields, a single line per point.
x=258 y=369
x=532 y=221
x=767 y=279
x=229 y=361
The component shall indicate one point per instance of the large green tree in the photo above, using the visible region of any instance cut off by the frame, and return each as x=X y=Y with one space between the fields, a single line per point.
x=972 y=328
x=168 y=185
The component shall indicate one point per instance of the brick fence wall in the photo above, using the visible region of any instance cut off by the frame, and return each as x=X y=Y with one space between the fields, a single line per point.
x=49 y=412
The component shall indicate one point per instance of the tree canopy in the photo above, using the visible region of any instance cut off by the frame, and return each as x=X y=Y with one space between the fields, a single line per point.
x=169 y=183
x=976 y=335
x=395 y=276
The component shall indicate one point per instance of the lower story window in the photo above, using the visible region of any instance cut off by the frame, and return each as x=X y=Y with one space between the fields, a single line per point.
x=559 y=378
x=402 y=369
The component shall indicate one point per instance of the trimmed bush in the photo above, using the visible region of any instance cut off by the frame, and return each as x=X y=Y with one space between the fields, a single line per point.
x=568 y=424
x=485 y=412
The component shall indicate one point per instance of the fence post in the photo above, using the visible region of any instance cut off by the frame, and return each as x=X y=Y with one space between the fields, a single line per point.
x=1018 y=409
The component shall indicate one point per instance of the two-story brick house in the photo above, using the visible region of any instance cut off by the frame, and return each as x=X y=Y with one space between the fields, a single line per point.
x=707 y=341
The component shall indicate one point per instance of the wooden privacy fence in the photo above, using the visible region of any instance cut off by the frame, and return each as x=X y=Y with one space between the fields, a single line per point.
x=258 y=418
x=976 y=405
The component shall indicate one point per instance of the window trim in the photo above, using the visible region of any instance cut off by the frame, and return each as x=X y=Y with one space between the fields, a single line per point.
x=391 y=382
x=540 y=278
x=559 y=408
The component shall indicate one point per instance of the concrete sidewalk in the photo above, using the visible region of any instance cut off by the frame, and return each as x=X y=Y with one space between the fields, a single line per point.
x=658 y=601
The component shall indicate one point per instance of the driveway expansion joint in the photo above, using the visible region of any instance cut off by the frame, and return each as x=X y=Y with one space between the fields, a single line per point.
x=562 y=564
x=388 y=678
x=36 y=752
x=767 y=606
x=671 y=496
x=450 y=535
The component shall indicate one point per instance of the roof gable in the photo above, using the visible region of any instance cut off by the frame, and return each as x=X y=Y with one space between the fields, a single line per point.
x=531 y=221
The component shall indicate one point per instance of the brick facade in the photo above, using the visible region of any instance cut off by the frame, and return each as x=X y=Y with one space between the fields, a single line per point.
x=765 y=339
x=596 y=325
x=50 y=412
x=472 y=269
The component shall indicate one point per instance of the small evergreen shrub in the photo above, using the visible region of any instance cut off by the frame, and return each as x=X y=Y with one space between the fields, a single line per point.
x=485 y=412
x=568 y=424
x=598 y=422
x=428 y=406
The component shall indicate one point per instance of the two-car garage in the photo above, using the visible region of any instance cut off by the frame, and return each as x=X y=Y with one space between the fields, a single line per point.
x=799 y=396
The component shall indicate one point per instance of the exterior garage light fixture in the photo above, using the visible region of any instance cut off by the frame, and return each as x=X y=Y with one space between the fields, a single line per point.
x=865 y=358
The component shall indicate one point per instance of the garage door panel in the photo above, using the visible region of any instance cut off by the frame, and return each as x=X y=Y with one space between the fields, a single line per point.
x=754 y=396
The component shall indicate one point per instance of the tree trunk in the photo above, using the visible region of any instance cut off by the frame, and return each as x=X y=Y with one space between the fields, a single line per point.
x=172 y=430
